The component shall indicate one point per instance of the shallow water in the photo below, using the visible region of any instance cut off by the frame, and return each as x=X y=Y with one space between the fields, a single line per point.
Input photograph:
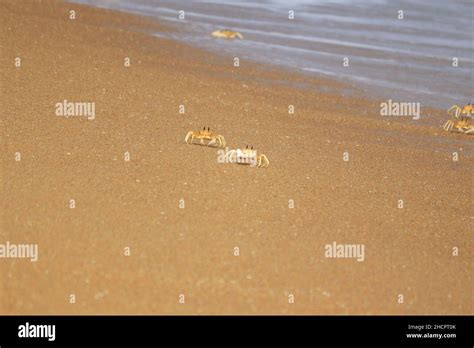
x=409 y=59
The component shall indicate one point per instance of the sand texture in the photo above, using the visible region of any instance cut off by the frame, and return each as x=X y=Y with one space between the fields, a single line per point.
x=190 y=251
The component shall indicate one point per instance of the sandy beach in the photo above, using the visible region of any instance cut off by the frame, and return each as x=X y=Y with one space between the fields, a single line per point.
x=280 y=218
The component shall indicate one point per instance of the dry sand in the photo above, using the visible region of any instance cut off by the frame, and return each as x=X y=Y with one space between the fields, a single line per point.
x=190 y=251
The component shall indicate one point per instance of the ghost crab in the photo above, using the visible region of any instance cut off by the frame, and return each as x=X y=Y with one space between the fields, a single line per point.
x=464 y=117
x=205 y=137
x=247 y=156
x=227 y=34
x=456 y=111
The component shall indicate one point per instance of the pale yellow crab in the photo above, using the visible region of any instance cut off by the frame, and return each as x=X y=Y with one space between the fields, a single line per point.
x=466 y=111
x=227 y=34
x=463 y=123
x=461 y=126
x=205 y=137
x=247 y=156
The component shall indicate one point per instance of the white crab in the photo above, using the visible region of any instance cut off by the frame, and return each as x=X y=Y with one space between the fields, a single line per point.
x=247 y=156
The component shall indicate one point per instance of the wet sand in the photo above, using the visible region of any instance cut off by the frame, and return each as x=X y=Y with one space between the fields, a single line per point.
x=190 y=251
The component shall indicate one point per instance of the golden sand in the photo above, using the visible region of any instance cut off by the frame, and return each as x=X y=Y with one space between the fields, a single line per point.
x=190 y=251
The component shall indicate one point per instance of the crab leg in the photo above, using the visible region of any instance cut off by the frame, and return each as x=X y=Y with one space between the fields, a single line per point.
x=189 y=135
x=222 y=140
x=212 y=142
x=457 y=111
x=470 y=131
x=221 y=143
x=217 y=140
x=264 y=162
x=448 y=126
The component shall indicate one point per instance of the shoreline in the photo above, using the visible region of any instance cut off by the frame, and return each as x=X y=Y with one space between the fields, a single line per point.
x=312 y=44
x=271 y=74
x=174 y=250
